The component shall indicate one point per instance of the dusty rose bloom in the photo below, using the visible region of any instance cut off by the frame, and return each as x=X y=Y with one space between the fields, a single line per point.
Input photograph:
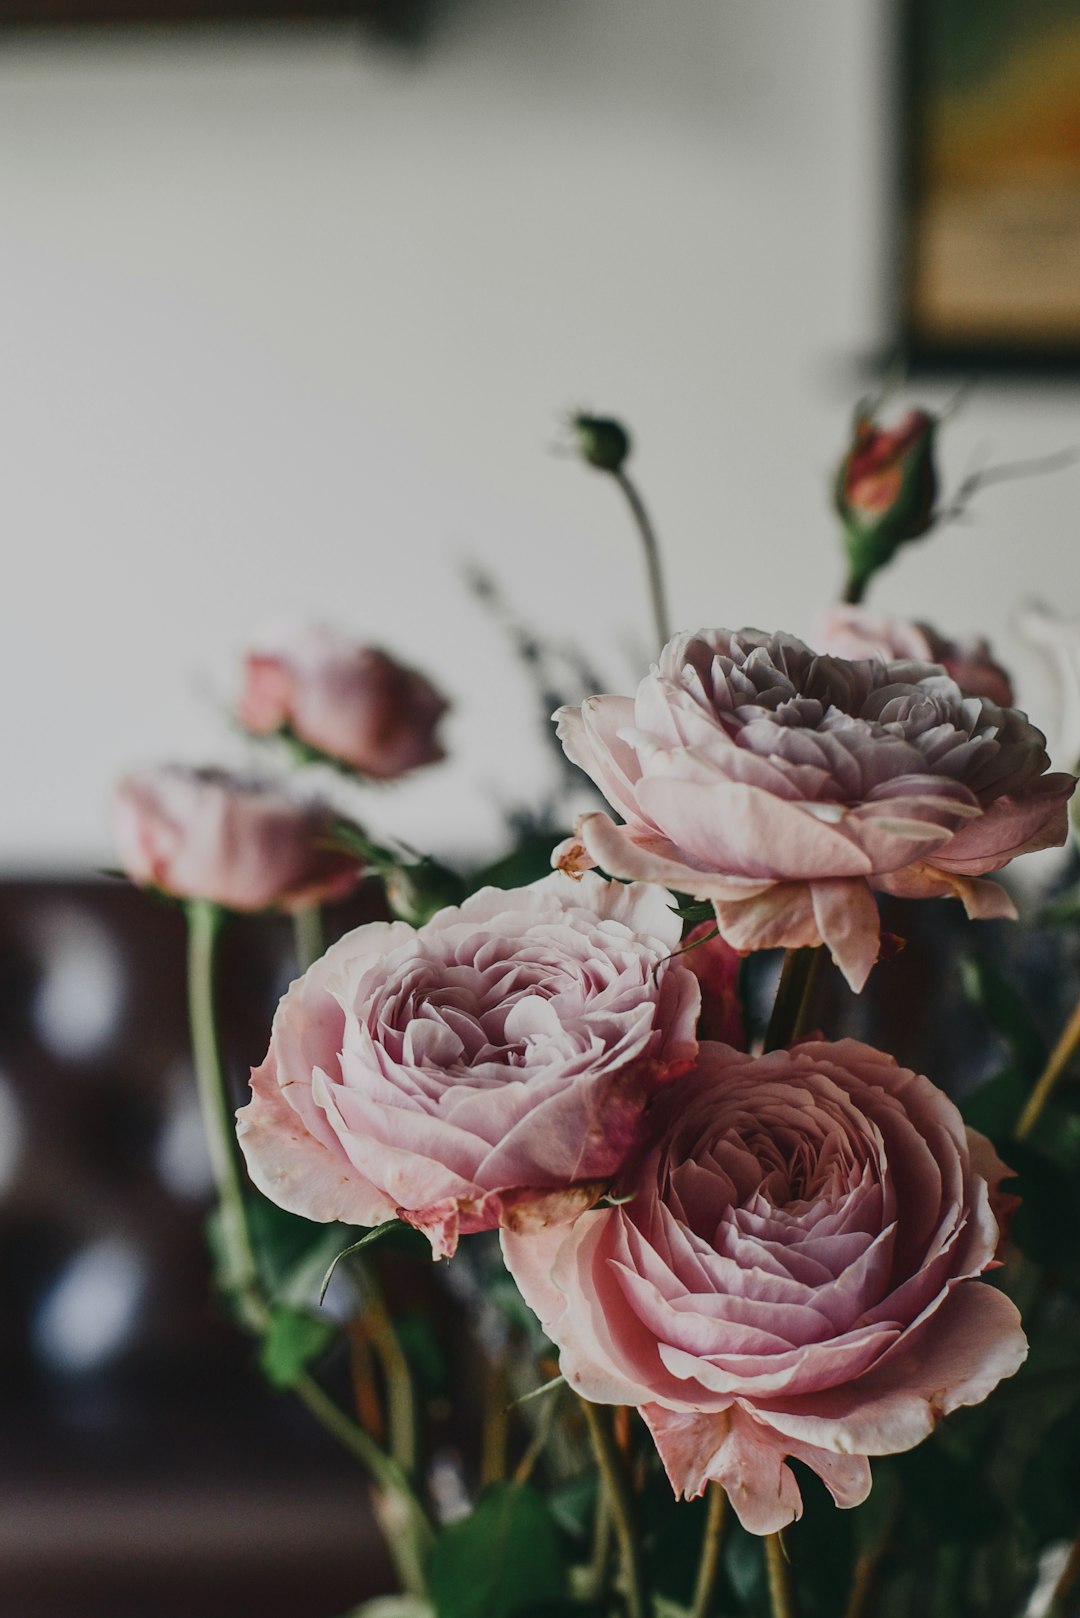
x=489 y=1068
x=204 y=834
x=784 y=787
x=854 y=633
x=352 y=702
x=793 y=1275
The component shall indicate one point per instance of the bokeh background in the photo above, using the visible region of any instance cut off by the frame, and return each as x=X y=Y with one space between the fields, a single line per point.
x=292 y=315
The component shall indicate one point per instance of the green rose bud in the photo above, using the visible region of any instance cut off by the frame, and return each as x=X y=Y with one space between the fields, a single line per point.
x=602 y=441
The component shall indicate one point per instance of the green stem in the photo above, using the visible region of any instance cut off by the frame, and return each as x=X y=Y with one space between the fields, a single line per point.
x=620 y=1505
x=309 y=935
x=778 y=1570
x=400 y=1397
x=651 y=547
x=855 y=589
x=794 y=997
x=712 y=1545
x=601 y=1550
x=1060 y=1057
x=404 y=1523
x=241 y=1276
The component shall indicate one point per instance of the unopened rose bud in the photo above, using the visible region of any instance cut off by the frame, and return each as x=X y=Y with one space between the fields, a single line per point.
x=245 y=845
x=419 y=891
x=602 y=441
x=342 y=701
x=886 y=491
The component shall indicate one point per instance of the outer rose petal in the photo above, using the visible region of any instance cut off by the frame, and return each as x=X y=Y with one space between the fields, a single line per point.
x=799 y=915
x=633 y=860
x=983 y=901
x=973 y=1342
x=1011 y=826
x=732 y=1449
x=293 y=1169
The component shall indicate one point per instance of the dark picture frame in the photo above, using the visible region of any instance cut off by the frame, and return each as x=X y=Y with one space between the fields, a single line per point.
x=987 y=256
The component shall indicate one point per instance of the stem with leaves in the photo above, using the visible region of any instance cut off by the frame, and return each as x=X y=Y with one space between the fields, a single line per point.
x=403 y=1519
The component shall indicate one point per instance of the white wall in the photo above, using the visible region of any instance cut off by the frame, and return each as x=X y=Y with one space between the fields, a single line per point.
x=287 y=325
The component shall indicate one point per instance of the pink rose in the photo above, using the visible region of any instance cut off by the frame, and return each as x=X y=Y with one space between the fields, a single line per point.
x=793 y=1275
x=855 y=633
x=784 y=787
x=490 y=1067
x=353 y=703
x=203 y=834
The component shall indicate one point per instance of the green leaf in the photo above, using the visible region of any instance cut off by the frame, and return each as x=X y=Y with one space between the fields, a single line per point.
x=1005 y=1009
x=995 y=1106
x=365 y=1240
x=502 y=1560
x=293 y=1339
x=1047 y=1223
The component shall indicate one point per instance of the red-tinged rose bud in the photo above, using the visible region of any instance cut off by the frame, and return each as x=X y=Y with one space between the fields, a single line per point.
x=886 y=490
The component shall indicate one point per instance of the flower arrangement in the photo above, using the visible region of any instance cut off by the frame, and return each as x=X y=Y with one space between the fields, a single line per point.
x=729 y=1267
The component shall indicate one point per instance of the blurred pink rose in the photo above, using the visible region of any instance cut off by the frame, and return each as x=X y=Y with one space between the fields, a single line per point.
x=793 y=1275
x=855 y=633
x=204 y=834
x=489 y=1068
x=352 y=702
x=784 y=787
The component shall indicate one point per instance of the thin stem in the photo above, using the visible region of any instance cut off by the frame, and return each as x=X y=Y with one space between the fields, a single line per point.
x=794 y=997
x=712 y=1545
x=601 y=1552
x=778 y=1569
x=621 y=1507
x=400 y=1396
x=651 y=546
x=404 y=1524
x=241 y=1275
x=855 y=589
x=309 y=935
x=1060 y=1057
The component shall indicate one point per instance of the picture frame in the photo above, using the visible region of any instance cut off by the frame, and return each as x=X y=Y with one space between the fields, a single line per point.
x=987 y=256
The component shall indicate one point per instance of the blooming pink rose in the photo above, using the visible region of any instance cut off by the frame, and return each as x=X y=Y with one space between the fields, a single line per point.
x=793 y=1274
x=784 y=786
x=490 y=1067
x=204 y=834
x=353 y=703
x=855 y=633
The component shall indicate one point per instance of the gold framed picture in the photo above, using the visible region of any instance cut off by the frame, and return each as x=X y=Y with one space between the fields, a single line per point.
x=990 y=241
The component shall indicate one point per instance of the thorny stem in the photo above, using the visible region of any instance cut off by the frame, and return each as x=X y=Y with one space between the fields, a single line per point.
x=309 y=935
x=651 y=546
x=794 y=997
x=1060 y=1057
x=406 y=1527
x=709 y=1566
x=620 y=1506
x=778 y=1569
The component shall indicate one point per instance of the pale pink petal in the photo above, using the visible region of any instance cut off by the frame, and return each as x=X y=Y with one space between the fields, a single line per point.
x=847 y=921
x=1011 y=826
x=298 y=1172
